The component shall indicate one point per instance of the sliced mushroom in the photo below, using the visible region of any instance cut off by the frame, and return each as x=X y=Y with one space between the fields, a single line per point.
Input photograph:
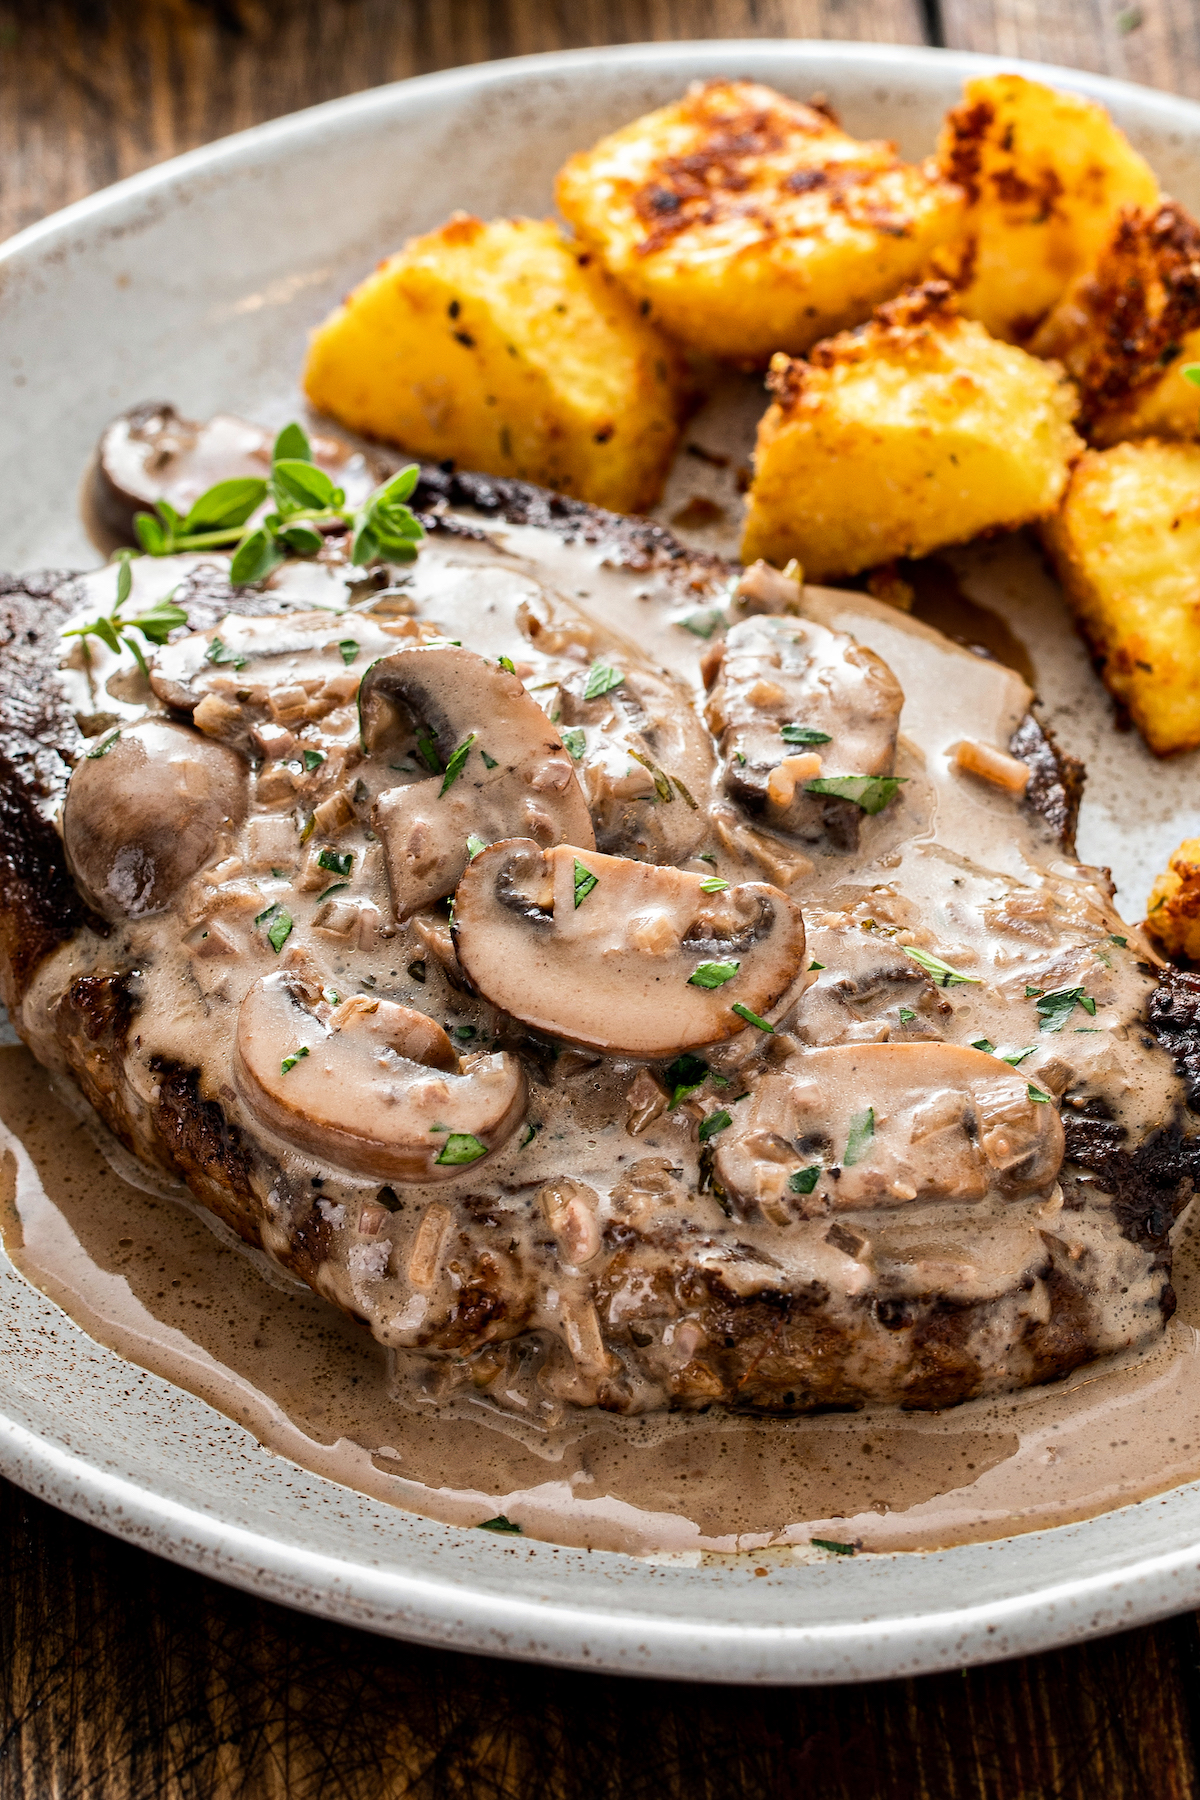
x=504 y=771
x=792 y=701
x=369 y=1085
x=860 y=1126
x=645 y=762
x=615 y=955
x=150 y=453
x=145 y=812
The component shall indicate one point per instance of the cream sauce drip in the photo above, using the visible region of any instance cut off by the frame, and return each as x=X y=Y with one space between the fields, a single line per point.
x=952 y=866
x=157 y=1280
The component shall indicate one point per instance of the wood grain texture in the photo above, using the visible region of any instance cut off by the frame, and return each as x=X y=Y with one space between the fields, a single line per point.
x=92 y=90
x=1153 y=41
x=123 y=1678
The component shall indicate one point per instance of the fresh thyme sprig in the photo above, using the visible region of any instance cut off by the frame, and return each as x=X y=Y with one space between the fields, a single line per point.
x=112 y=629
x=306 y=502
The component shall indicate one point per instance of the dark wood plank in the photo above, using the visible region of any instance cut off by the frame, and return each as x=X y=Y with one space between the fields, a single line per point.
x=1153 y=41
x=124 y=1678
x=92 y=92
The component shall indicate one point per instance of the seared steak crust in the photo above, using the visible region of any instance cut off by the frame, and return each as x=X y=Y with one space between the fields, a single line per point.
x=917 y=1349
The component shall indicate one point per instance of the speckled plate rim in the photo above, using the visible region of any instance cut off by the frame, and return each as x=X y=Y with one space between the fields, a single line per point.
x=154 y=1464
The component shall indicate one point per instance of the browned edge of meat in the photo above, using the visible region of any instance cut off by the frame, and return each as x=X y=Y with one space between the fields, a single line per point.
x=40 y=741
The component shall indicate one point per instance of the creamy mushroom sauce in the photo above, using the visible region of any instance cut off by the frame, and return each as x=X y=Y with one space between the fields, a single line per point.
x=952 y=866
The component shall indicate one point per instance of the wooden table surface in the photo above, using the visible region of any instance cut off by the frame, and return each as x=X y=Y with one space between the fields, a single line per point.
x=124 y=1678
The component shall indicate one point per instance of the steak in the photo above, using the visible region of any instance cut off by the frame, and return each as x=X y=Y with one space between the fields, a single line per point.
x=946 y=1163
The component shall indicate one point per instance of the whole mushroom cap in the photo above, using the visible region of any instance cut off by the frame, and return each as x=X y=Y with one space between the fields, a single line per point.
x=144 y=814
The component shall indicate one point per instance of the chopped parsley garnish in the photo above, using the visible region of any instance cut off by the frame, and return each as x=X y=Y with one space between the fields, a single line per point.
x=703 y=624
x=464 y=1033
x=339 y=887
x=349 y=650
x=805 y=1180
x=1054 y=1009
x=752 y=1018
x=105 y=745
x=712 y=884
x=662 y=787
x=1119 y=940
x=862 y=1130
x=461 y=1147
x=575 y=742
x=602 y=678
x=499 y=1523
x=585 y=881
x=1189 y=371
x=815 y=965
x=713 y=974
x=312 y=759
x=531 y=1132
x=715 y=1122
x=290 y=1061
x=685 y=1075
x=427 y=750
x=280 y=931
x=1035 y=1093
x=907 y=1015
x=338 y=862
x=474 y=845
x=506 y=662
x=833 y=1544
x=1032 y=992
x=985 y=1044
x=871 y=792
x=331 y=996
x=222 y=656
x=938 y=970
x=706 y=856
x=457 y=763
x=268 y=913
x=803 y=734
x=489 y=762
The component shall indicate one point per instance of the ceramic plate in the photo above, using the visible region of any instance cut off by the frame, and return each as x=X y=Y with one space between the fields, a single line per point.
x=197 y=282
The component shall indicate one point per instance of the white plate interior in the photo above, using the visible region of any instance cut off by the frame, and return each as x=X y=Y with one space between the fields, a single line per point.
x=198 y=282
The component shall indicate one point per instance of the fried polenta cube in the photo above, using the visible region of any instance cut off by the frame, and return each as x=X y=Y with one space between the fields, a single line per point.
x=1173 y=912
x=1126 y=545
x=1127 y=328
x=507 y=349
x=749 y=223
x=916 y=431
x=1047 y=174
